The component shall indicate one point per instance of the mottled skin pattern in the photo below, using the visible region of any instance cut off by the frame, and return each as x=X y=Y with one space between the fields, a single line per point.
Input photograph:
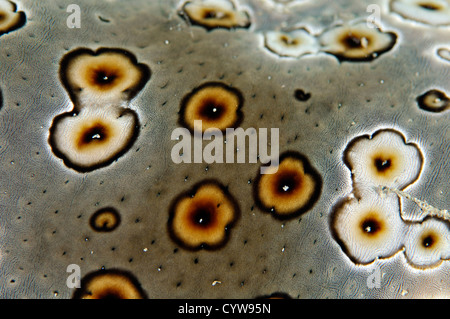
x=46 y=207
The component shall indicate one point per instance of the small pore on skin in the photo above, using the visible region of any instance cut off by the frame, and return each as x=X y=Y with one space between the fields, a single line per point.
x=107 y=74
x=432 y=12
x=384 y=158
x=94 y=137
x=212 y=14
x=110 y=284
x=434 y=101
x=292 y=190
x=368 y=228
x=216 y=104
x=105 y=220
x=202 y=217
x=357 y=42
x=10 y=19
x=291 y=44
x=427 y=243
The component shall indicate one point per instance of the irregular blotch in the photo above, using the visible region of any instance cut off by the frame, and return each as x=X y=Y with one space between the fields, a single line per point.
x=216 y=104
x=106 y=74
x=301 y=95
x=434 y=101
x=110 y=284
x=105 y=220
x=383 y=159
x=94 y=137
x=203 y=216
x=99 y=129
x=368 y=228
x=427 y=243
x=292 y=190
x=212 y=14
x=357 y=42
x=10 y=20
x=433 y=12
x=291 y=44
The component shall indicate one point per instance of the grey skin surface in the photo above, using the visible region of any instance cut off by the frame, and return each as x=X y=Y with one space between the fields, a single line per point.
x=45 y=206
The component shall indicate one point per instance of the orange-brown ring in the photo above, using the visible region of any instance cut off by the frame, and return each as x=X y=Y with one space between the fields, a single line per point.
x=308 y=170
x=189 y=194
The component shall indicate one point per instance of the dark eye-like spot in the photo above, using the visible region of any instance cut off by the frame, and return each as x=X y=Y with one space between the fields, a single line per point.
x=202 y=217
x=290 y=191
x=216 y=104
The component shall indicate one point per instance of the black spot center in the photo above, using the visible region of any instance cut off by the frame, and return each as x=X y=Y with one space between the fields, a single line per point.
x=354 y=42
x=94 y=134
x=370 y=226
x=203 y=217
x=382 y=164
x=212 y=110
x=428 y=241
x=287 y=183
x=103 y=77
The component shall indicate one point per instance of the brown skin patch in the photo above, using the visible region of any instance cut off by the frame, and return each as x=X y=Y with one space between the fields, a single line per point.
x=109 y=284
x=291 y=191
x=202 y=217
x=216 y=104
x=105 y=220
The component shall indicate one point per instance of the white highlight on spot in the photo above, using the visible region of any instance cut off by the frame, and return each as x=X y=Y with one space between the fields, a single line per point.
x=213 y=152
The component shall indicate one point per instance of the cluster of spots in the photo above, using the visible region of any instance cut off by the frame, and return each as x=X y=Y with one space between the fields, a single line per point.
x=216 y=104
x=353 y=42
x=434 y=101
x=212 y=14
x=202 y=217
x=110 y=284
x=105 y=220
x=433 y=12
x=10 y=19
x=99 y=129
x=369 y=224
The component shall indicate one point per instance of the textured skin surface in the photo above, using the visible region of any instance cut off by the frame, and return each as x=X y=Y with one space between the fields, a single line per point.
x=45 y=206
